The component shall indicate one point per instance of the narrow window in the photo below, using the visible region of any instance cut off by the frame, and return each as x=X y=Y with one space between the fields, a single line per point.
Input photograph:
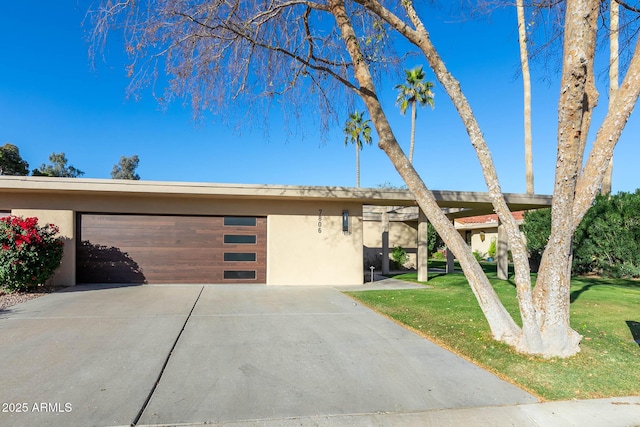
x=240 y=239
x=242 y=221
x=240 y=256
x=240 y=274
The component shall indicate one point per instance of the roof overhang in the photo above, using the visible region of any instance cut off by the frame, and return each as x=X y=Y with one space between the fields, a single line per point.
x=458 y=203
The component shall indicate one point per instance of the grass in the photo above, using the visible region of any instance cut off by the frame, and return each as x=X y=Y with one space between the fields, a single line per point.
x=605 y=312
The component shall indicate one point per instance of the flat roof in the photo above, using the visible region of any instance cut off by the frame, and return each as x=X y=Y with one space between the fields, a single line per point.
x=461 y=203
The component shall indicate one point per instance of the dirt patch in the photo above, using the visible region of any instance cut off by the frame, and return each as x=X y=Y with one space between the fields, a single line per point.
x=7 y=299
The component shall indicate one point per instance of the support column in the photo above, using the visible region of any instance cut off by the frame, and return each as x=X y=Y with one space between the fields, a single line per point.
x=502 y=257
x=423 y=252
x=450 y=264
x=385 y=243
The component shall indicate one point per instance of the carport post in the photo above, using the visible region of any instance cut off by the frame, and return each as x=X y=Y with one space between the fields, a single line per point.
x=450 y=264
x=502 y=257
x=423 y=251
x=385 y=243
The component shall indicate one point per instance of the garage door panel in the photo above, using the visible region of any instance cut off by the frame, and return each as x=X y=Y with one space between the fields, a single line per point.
x=167 y=249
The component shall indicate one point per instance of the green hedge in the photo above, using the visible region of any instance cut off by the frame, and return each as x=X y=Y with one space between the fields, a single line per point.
x=607 y=242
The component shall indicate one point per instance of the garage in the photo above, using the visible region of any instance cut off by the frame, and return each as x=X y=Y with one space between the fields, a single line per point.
x=130 y=248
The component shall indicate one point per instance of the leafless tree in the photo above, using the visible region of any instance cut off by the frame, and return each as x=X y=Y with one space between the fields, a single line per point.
x=220 y=51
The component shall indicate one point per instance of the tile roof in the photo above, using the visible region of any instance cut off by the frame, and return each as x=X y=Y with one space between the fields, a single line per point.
x=488 y=219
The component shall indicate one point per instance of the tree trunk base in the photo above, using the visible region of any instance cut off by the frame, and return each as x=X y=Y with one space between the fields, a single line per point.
x=553 y=342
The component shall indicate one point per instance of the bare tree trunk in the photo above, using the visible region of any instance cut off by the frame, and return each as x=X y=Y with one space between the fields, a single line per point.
x=502 y=325
x=619 y=110
x=613 y=77
x=357 y=165
x=413 y=130
x=552 y=287
x=578 y=97
x=529 y=341
x=546 y=329
x=526 y=80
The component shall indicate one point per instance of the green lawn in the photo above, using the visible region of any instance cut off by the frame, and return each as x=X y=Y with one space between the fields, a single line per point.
x=605 y=312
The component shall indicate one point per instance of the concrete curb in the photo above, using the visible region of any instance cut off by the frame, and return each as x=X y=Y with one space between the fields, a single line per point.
x=613 y=412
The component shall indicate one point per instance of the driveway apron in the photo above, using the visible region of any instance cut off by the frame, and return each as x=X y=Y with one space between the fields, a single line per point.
x=87 y=356
x=246 y=353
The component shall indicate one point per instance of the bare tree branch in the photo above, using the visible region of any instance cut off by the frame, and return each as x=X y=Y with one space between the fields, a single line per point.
x=628 y=6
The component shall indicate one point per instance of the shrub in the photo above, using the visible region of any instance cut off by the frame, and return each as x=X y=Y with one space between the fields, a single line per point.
x=491 y=252
x=438 y=255
x=30 y=253
x=607 y=242
x=537 y=228
x=399 y=256
x=479 y=256
x=433 y=239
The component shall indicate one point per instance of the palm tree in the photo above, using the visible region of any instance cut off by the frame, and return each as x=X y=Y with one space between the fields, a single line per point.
x=614 y=28
x=357 y=130
x=526 y=78
x=414 y=91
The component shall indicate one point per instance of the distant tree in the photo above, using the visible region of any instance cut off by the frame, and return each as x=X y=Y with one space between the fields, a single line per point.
x=357 y=130
x=607 y=242
x=434 y=241
x=57 y=168
x=414 y=91
x=537 y=228
x=387 y=185
x=11 y=163
x=126 y=168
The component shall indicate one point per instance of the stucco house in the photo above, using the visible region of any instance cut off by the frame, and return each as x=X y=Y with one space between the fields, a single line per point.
x=176 y=232
x=479 y=231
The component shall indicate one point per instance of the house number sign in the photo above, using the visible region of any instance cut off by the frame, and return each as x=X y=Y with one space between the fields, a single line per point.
x=319 y=220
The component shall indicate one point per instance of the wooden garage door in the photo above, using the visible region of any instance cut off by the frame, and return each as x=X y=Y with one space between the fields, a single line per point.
x=170 y=249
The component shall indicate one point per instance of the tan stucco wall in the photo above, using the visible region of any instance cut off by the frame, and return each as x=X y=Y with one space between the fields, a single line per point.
x=483 y=247
x=65 y=220
x=490 y=234
x=298 y=254
x=400 y=234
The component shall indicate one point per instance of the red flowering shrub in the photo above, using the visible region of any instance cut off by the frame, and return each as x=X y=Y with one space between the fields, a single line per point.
x=29 y=254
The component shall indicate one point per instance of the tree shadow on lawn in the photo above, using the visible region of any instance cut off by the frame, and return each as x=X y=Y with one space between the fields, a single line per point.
x=589 y=283
x=491 y=270
x=487 y=267
x=634 y=327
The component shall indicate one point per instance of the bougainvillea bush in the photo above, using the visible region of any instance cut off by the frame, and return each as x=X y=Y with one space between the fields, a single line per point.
x=30 y=253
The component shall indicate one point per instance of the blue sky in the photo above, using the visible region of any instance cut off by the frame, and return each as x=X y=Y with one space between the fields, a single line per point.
x=52 y=100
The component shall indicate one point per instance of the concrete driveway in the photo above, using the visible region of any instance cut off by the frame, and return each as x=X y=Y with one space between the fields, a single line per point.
x=228 y=353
